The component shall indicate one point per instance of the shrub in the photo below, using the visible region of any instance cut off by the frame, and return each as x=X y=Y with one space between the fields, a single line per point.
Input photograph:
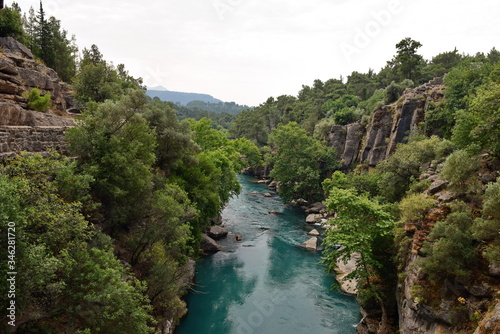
x=487 y=228
x=38 y=102
x=460 y=169
x=414 y=206
x=449 y=248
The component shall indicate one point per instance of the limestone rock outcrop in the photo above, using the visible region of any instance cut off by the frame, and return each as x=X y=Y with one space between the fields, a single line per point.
x=388 y=126
x=21 y=128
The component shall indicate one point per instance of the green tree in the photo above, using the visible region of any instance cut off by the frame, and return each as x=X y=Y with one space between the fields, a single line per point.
x=407 y=61
x=478 y=128
x=116 y=147
x=65 y=281
x=361 y=226
x=99 y=81
x=174 y=138
x=250 y=124
x=11 y=23
x=300 y=163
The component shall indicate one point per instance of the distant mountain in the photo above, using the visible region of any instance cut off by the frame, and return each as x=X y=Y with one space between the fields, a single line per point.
x=180 y=97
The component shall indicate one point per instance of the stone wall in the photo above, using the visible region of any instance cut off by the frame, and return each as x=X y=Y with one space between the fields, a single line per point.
x=15 y=139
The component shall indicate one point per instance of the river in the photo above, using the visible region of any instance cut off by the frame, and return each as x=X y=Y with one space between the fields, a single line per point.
x=265 y=284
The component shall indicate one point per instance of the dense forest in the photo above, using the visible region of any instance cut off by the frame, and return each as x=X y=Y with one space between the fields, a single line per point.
x=104 y=237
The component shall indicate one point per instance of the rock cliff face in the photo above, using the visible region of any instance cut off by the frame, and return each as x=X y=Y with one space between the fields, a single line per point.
x=389 y=125
x=23 y=129
x=456 y=305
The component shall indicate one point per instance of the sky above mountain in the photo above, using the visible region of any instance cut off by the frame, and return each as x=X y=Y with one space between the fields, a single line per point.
x=248 y=50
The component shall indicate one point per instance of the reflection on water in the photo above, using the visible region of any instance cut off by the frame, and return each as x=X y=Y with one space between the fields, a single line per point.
x=265 y=284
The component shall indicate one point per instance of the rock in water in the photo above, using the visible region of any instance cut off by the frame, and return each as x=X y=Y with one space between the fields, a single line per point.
x=217 y=232
x=311 y=244
x=314 y=218
x=314 y=233
x=209 y=245
x=238 y=237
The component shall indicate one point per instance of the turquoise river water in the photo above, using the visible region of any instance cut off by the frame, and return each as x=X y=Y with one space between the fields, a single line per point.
x=265 y=284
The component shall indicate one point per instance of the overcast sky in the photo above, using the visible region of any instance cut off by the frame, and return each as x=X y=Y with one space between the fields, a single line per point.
x=248 y=50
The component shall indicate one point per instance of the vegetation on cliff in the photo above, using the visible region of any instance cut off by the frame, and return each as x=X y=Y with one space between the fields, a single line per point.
x=104 y=238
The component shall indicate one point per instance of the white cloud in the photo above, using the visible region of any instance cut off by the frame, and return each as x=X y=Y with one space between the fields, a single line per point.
x=248 y=50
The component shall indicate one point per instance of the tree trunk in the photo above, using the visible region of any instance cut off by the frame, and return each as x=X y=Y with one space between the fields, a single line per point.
x=382 y=327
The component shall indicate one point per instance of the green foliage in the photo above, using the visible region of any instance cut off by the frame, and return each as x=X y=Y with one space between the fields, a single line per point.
x=487 y=227
x=407 y=61
x=95 y=277
x=99 y=80
x=37 y=102
x=300 y=163
x=65 y=282
x=251 y=125
x=478 y=129
x=361 y=182
x=249 y=151
x=323 y=127
x=174 y=138
x=460 y=169
x=116 y=147
x=373 y=102
x=393 y=92
x=49 y=42
x=413 y=207
x=443 y=63
x=11 y=23
x=399 y=171
x=450 y=250
x=363 y=226
x=343 y=109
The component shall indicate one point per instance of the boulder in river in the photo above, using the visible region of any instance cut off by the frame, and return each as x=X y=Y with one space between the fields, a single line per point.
x=209 y=245
x=317 y=207
x=217 y=232
x=314 y=233
x=267 y=195
x=238 y=237
x=314 y=218
x=311 y=244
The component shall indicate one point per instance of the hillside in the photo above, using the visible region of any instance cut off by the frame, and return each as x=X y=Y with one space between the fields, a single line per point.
x=181 y=97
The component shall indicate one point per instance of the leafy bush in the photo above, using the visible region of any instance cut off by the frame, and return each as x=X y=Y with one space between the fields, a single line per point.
x=414 y=206
x=38 y=102
x=460 y=168
x=11 y=23
x=323 y=127
x=449 y=249
x=399 y=171
x=394 y=90
x=487 y=227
